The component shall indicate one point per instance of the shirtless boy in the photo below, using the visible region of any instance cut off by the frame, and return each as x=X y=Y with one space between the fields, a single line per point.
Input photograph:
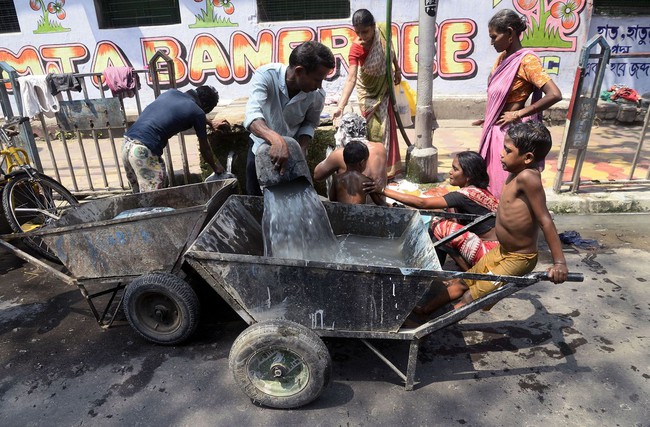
x=353 y=128
x=522 y=211
x=348 y=186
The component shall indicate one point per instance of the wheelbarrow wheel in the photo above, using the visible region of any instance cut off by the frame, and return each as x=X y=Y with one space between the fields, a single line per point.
x=280 y=364
x=162 y=308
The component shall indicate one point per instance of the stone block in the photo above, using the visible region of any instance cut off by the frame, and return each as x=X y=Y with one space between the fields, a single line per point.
x=236 y=142
x=626 y=113
x=423 y=165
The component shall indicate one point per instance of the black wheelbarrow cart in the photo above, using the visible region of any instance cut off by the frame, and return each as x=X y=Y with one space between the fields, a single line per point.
x=134 y=243
x=280 y=360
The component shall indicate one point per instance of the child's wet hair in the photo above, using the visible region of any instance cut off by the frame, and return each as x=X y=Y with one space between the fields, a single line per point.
x=508 y=18
x=531 y=137
x=474 y=168
x=355 y=152
x=363 y=18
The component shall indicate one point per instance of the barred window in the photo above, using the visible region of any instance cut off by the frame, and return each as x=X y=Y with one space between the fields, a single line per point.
x=292 y=10
x=621 y=7
x=8 y=17
x=141 y=13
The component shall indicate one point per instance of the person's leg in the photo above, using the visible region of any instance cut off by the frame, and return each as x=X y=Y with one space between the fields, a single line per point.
x=252 y=184
x=455 y=288
x=464 y=300
x=460 y=261
x=128 y=167
x=441 y=229
x=501 y=263
x=152 y=174
x=147 y=172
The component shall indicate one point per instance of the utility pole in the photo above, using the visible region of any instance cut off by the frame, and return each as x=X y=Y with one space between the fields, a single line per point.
x=423 y=164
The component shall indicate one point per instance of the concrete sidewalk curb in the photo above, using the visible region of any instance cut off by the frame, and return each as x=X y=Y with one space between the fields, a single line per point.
x=602 y=201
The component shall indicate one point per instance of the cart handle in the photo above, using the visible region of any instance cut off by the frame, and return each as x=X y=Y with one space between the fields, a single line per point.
x=571 y=277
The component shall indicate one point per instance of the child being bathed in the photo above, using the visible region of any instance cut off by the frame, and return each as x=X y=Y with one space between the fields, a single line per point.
x=347 y=187
x=522 y=211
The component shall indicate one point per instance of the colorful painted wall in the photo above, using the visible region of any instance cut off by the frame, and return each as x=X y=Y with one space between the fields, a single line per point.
x=221 y=43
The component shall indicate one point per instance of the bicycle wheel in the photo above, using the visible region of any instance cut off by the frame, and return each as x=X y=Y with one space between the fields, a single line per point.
x=32 y=203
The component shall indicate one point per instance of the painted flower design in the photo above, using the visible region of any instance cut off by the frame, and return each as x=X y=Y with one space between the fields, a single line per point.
x=228 y=7
x=527 y=4
x=35 y=5
x=56 y=7
x=566 y=12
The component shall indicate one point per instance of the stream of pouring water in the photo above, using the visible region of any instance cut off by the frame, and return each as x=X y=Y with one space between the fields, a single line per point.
x=296 y=226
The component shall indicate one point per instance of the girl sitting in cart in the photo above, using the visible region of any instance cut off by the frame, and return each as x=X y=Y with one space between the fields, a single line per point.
x=469 y=172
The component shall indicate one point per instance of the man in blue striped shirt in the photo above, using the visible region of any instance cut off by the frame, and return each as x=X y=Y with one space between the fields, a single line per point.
x=286 y=101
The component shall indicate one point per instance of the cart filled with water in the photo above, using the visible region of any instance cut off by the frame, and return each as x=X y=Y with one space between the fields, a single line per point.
x=137 y=242
x=293 y=286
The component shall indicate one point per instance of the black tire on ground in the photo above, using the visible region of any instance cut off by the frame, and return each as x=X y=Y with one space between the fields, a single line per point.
x=26 y=200
x=162 y=308
x=280 y=364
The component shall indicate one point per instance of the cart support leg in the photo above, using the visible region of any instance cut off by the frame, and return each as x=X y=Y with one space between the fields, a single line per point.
x=414 y=348
x=409 y=378
x=384 y=359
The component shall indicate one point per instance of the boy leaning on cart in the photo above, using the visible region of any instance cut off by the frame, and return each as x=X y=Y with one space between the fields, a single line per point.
x=522 y=211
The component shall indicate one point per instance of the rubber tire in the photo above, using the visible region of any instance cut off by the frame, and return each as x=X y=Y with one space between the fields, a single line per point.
x=18 y=184
x=282 y=335
x=171 y=294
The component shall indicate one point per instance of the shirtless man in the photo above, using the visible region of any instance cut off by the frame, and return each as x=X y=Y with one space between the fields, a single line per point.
x=348 y=186
x=334 y=163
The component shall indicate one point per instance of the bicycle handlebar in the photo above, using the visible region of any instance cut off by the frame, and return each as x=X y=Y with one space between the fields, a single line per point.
x=15 y=120
x=10 y=127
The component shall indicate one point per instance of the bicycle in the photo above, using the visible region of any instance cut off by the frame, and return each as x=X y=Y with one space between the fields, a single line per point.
x=30 y=199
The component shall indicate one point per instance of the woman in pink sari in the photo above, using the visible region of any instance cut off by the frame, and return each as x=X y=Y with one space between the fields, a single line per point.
x=516 y=74
x=367 y=58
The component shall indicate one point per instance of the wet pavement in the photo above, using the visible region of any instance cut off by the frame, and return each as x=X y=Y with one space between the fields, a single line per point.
x=573 y=354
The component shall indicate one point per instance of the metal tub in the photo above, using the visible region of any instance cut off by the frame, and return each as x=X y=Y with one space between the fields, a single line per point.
x=92 y=243
x=323 y=296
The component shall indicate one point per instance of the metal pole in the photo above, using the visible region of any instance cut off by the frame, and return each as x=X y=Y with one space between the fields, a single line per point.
x=423 y=159
x=426 y=44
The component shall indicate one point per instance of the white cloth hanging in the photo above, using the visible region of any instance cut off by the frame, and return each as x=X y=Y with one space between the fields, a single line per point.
x=36 y=96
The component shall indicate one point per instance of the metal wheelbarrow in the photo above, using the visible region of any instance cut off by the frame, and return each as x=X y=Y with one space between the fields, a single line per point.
x=136 y=240
x=280 y=360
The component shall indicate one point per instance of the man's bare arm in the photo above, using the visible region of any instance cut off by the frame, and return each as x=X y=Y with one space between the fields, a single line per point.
x=330 y=165
x=206 y=153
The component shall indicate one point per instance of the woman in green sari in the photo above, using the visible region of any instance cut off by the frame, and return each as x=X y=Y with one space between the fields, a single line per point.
x=368 y=61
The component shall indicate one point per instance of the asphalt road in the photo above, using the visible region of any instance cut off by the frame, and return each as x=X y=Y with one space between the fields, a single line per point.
x=573 y=354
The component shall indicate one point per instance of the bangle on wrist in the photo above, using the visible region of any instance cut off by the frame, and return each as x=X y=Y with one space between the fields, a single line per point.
x=559 y=262
x=517 y=115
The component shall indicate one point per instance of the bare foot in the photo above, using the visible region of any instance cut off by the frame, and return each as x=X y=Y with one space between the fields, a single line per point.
x=459 y=305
